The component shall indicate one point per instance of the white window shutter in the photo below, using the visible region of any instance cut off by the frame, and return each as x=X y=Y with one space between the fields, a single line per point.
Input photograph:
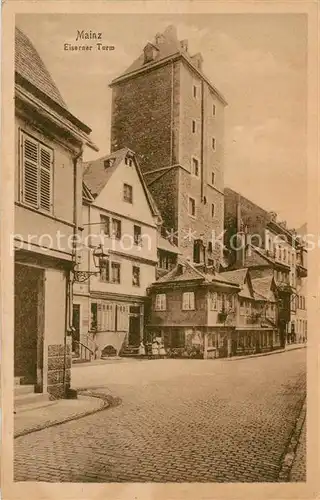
x=191 y=300
x=30 y=158
x=185 y=300
x=164 y=302
x=46 y=165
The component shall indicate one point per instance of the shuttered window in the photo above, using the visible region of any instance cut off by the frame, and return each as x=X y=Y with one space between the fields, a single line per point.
x=36 y=173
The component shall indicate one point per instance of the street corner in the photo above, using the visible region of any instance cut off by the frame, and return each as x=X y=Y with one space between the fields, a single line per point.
x=31 y=418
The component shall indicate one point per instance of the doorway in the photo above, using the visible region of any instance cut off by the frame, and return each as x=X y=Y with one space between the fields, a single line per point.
x=134 y=329
x=29 y=325
x=76 y=326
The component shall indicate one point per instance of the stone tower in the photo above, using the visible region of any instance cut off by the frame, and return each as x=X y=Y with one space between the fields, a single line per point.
x=166 y=110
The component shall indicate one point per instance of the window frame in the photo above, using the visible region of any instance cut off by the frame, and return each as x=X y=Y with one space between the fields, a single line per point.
x=195 y=167
x=125 y=192
x=137 y=241
x=160 y=302
x=191 y=303
x=40 y=145
x=135 y=267
x=115 y=235
x=194 y=205
x=115 y=265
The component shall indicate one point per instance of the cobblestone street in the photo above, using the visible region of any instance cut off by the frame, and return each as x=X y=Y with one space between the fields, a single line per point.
x=180 y=420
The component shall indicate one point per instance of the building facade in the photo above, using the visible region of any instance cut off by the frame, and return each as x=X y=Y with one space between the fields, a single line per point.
x=208 y=315
x=48 y=178
x=269 y=249
x=120 y=214
x=172 y=116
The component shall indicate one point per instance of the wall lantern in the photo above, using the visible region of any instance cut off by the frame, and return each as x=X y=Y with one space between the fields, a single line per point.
x=99 y=257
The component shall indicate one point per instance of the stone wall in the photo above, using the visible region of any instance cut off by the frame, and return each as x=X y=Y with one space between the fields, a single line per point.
x=59 y=370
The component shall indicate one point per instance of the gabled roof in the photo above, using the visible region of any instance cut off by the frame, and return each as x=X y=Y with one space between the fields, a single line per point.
x=96 y=176
x=263 y=288
x=238 y=276
x=30 y=66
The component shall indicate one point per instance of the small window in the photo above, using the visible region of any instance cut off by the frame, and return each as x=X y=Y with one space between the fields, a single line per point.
x=160 y=302
x=213 y=210
x=213 y=110
x=213 y=175
x=128 y=161
x=213 y=143
x=115 y=272
x=195 y=167
x=192 y=207
x=94 y=316
x=105 y=225
x=210 y=246
x=104 y=270
x=195 y=91
x=127 y=193
x=135 y=276
x=194 y=126
x=137 y=235
x=188 y=301
x=213 y=301
x=116 y=229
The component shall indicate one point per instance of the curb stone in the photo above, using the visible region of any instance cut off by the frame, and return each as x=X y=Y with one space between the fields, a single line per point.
x=289 y=456
x=107 y=402
x=269 y=353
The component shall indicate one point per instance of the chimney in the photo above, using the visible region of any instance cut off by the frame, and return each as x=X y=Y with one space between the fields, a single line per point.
x=184 y=45
x=197 y=60
x=159 y=38
x=273 y=216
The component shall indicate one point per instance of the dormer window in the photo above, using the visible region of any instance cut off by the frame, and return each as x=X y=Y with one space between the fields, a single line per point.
x=150 y=53
x=108 y=162
x=128 y=161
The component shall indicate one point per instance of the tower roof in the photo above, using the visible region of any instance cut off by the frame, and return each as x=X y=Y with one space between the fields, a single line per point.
x=167 y=47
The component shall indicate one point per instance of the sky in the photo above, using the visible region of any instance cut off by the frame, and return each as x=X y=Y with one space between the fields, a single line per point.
x=257 y=61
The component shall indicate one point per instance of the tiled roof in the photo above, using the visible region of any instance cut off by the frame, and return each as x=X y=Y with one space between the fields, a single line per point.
x=263 y=287
x=186 y=271
x=30 y=66
x=165 y=244
x=237 y=276
x=96 y=176
x=169 y=46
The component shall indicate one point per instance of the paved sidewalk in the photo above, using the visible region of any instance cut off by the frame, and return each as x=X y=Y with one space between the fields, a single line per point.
x=289 y=347
x=56 y=412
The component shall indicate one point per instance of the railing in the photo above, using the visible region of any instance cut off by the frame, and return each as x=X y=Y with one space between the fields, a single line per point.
x=85 y=352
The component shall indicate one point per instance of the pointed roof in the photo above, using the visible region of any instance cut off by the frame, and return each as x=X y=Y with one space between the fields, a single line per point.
x=168 y=46
x=30 y=66
x=96 y=175
x=263 y=288
x=238 y=276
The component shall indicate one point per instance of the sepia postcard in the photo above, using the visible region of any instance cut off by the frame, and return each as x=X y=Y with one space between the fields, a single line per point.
x=160 y=250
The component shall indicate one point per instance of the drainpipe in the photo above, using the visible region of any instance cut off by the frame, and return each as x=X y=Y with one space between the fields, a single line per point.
x=202 y=140
x=69 y=277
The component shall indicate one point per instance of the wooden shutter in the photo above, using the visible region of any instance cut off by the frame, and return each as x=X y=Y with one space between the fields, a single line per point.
x=45 y=178
x=30 y=160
